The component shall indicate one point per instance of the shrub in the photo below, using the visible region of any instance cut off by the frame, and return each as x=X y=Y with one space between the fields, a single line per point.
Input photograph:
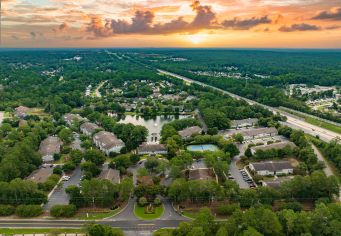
x=157 y=201
x=103 y=230
x=143 y=201
x=49 y=184
x=295 y=206
x=29 y=210
x=6 y=210
x=63 y=210
x=68 y=167
x=57 y=170
x=227 y=209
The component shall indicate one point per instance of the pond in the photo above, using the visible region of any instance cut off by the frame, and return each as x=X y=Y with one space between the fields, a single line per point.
x=202 y=148
x=153 y=124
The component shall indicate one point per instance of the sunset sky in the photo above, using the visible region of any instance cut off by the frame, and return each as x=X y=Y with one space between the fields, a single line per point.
x=177 y=23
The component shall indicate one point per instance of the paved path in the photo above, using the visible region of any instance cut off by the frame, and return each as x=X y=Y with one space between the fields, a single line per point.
x=170 y=213
x=97 y=92
x=327 y=169
x=324 y=134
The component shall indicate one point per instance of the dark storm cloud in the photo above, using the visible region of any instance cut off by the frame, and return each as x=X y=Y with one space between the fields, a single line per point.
x=329 y=15
x=246 y=24
x=300 y=27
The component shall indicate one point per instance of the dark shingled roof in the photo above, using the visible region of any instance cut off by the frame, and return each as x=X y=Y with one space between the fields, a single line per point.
x=201 y=174
x=272 y=165
x=110 y=174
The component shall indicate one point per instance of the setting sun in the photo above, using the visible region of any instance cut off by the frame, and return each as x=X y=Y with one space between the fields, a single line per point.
x=196 y=38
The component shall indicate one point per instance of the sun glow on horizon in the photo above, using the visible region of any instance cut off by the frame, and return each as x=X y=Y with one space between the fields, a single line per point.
x=197 y=38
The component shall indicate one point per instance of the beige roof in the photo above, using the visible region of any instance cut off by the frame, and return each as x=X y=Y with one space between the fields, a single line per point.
x=190 y=131
x=69 y=117
x=110 y=174
x=108 y=140
x=21 y=111
x=40 y=175
x=279 y=145
x=256 y=132
x=89 y=127
x=50 y=146
x=244 y=121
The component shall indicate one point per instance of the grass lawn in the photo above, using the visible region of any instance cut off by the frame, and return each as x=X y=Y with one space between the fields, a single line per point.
x=190 y=214
x=97 y=216
x=139 y=212
x=38 y=112
x=163 y=232
x=11 y=231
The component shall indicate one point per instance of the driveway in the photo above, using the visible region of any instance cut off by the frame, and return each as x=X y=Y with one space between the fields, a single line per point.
x=234 y=171
x=170 y=213
x=127 y=213
x=134 y=169
x=59 y=196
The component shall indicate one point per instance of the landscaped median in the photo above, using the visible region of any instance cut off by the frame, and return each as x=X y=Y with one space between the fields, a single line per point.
x=148 y=212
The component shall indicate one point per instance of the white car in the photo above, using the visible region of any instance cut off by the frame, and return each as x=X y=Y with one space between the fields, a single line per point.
x=66 y=178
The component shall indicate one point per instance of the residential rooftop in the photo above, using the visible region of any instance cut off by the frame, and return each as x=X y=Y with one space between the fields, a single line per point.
x=188 y=132
x=110 y=174
x=272 y=166
x=40 y=175
x=201 y=174
x=108 y=140
x=50 y=146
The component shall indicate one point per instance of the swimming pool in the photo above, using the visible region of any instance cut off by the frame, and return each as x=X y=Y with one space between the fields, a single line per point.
x=202 y=148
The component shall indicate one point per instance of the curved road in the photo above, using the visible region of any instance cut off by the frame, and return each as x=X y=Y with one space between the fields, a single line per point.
x=293 y=122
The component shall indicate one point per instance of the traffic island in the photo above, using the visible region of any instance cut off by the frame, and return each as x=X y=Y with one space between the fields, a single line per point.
x=148 y=212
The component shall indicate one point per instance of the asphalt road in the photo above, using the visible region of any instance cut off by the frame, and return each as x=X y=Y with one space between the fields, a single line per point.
x=126 y=225
x=293 y=122
x=234 y=171
x=59 y=196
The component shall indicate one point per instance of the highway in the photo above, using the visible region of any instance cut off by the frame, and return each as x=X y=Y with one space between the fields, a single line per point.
x=292 y=121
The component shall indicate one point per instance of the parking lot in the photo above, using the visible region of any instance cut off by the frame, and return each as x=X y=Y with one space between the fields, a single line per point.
x=59 y=196
x=247 y=178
